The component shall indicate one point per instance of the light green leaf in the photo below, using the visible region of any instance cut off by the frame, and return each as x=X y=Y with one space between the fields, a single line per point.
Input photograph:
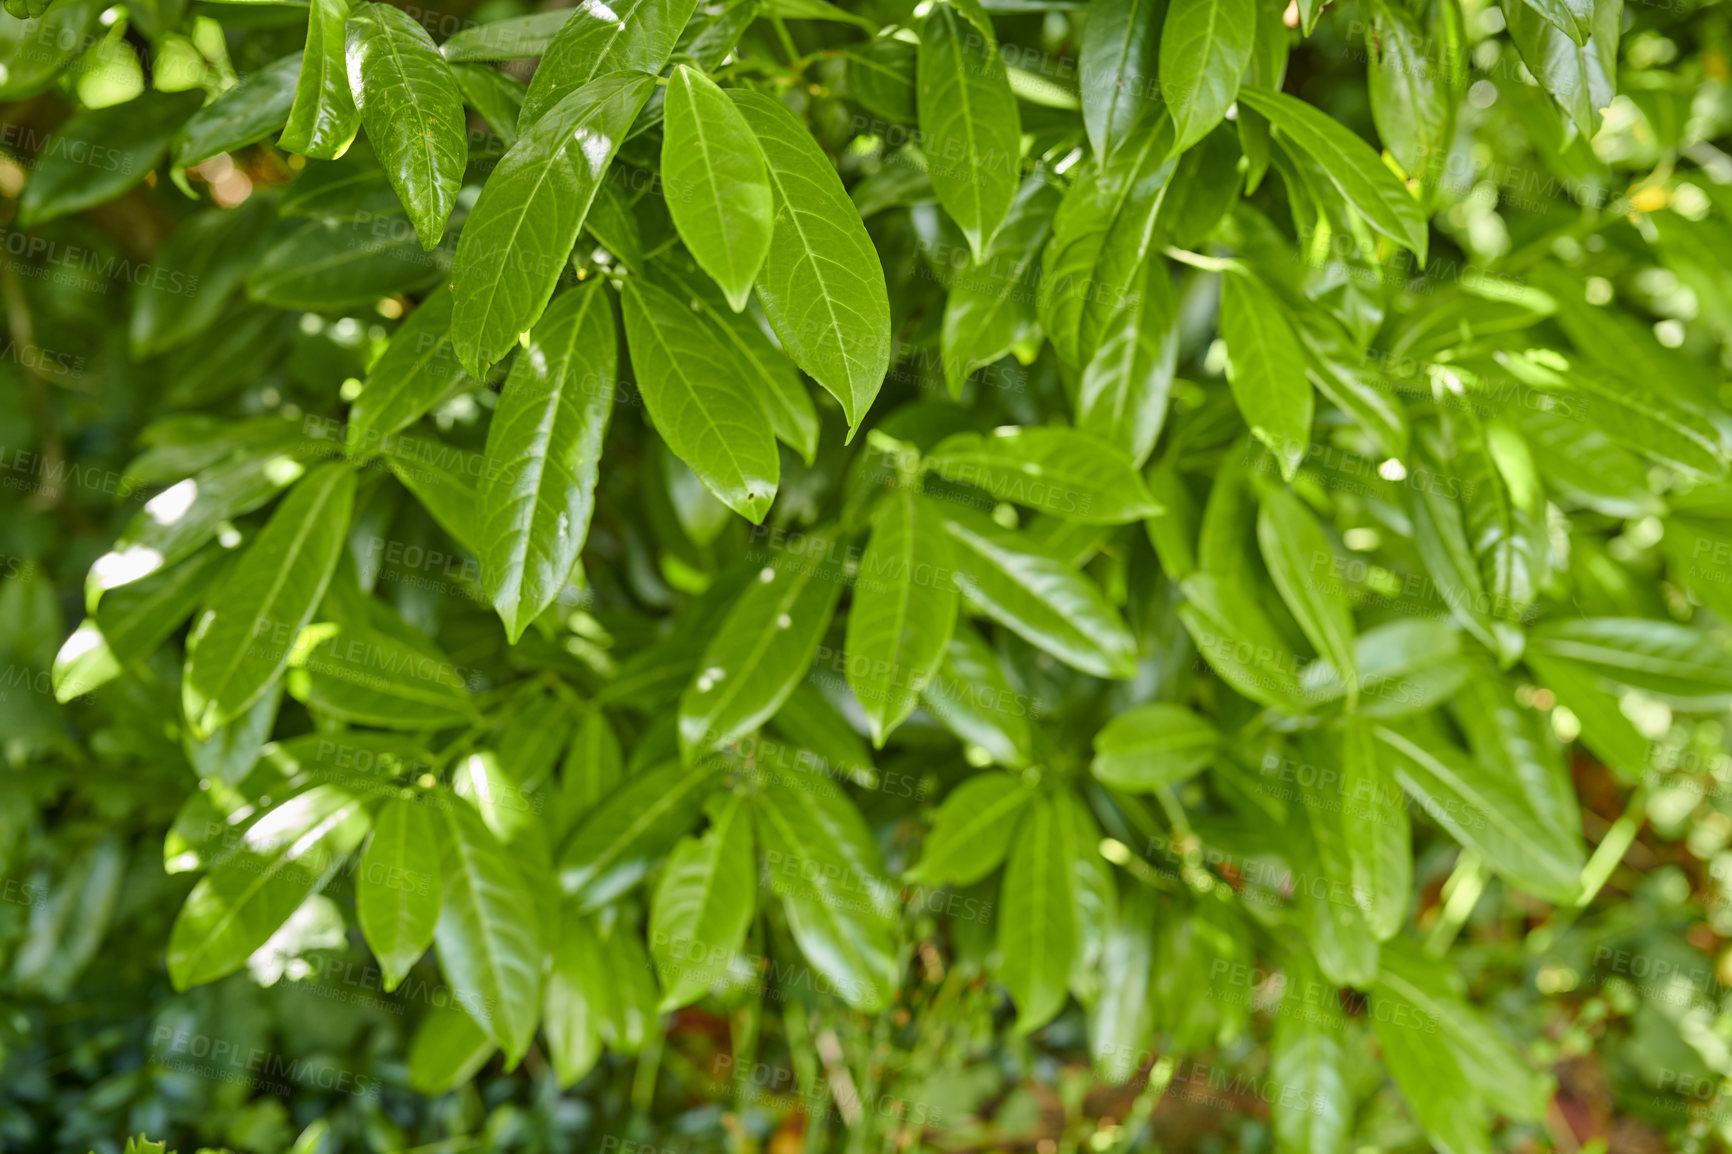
x=1116 y=66
x=1266 y=370
x=1369 y=187
x=903 y=611
x=518 y=237
x=1037 y=925
x=413 y=112
x=716 y=183
x=824 y=865
x=488 y=935
x=1153 y=746
x=991 y=307
x=821 y=286
x=1681 y=666
x=323 y=120
x=242 y=641
x=1205 y=46
x=970 y=127
x=417 y=371
x=971 y=696
x=972 y=831
x=1581 y=72
x=128 y=138
x=543 y=452
x=1378 y=833
x=1123 y=396
x=398 y=890
x=1313 y=1114
x=617 y=842
x=513 y=38
x=1038 y=596
x=449 y=1048
x=699 y=391
x=1300 y=561
x=285 y=857
x=335 y=266
x=703 y=905
x=634 y=35
x=762 y=650
x=1060 y=471
x=245 y=114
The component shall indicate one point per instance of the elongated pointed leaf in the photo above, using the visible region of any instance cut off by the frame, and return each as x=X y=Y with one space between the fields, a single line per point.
x=488 y=935
x=323 y=120
x=620 y=839
x=972 y=831
x=1116 y=66
x=518 y=237
x=241 y=642
x=245 y=114
x=1371 y=189
x=1036 y=595
x=1378 y=832
x=1153 y=746
x=969 y=124
x=416 y=372
x=903 y=612
x=970 y=695
x=1037 y=930
x=1064 y=472
x=702 y=906
x=1205 y=46
x=700 y=393
x=1267 y=370
x=635 y=35
x=412 y=109
x=1313 y=1113
x=283 y=858
x=824 y=865
x=991 y=307
x=1300 y=563
x=130 y=139
x=398 y=891
x=822 y=285
x=544 y=451
x=761 y=652
x=1123 y=397
x=716 y=182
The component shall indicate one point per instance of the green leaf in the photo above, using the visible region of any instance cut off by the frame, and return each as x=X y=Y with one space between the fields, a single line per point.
x=286 y=856
x=488 y=935
x=544 y=452
x=1267 y=372
x=703 y=906
x=1378 y=833
x=337 y=266
x=398 y=890
x=577 y=997
x=34 y=52
x=1300 y=560
x=1351 y=166
x=1038 y=596
x=903 y=611
x=881 y=78
x=449 y=1049
x=496 y=96
x=700 y=392
x=716 y=183
x=517 y=238
x=1205 y=46
x=631 y=35
x=1581 y=72
x=1486 y=813
x=1313 y=1114
x=245 y=114
x=323 y=120
x=97 y=155
x=762 y=650
x=416 y=373
x=774 y=377
x=394 y=680
x=970 y=127
x=1415 y=82
x=1055 y=470
x=1430 y=1075
x=1037 y=921
x=971 y=833
x=1153 y=746
x=242 y=641
x=990 y=311
x=617 y=842
x=1675 y=663
x=1574 y=17
x=413 y=112
x=1120 y=1022
x=513 y=38
x=197 y=271
x=1116 y=66
x=824 y=865
x=1123 y=396
x=593 y=768
x=971 y=696
x=822 y=286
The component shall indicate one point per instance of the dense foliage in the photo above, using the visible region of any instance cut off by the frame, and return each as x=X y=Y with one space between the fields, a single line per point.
x=883 y=576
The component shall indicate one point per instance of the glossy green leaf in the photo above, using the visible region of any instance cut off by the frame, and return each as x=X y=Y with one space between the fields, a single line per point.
x=970 y=695
x=1116 y=66
x=513 y=38
x=634 y=35
x=970 y=127
x=417 y=371
x=1060 y=471
x=1313 y=1114
x=1153 y=746
x=972 y=831
x=617 y=842
x=700 y=391
x=323 y=120
x=1378 y=832
x=245 y=114
x=822 y=286
x=703 y=905
x=1037 y=930
x=98 y=154
x=1267 y=373
x=516 y=240
x=1125 y=385
x=242 y=640
x=398 y=889
x=1205 y=46
x=903 y=611
x=1300 y=560
x=409 y=103
x=716 y=183
x=544 y=452
x=991 y=308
